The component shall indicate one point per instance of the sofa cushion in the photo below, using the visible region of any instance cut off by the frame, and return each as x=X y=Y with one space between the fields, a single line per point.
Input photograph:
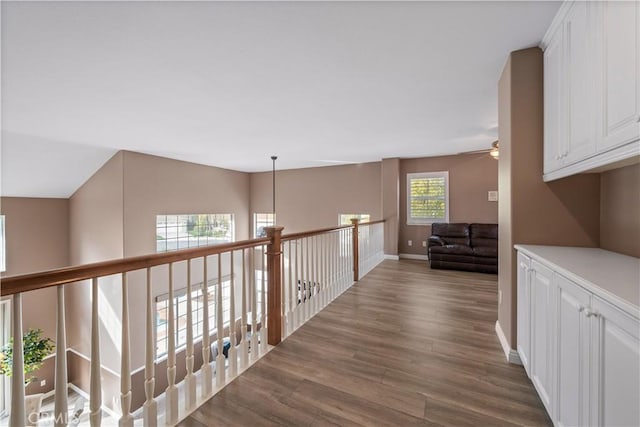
x=484 y=231
x=486 y=251
x=452 y=233
x=452 y=249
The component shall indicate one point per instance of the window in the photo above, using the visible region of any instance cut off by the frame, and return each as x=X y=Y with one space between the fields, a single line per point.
x=260 y=221
x=427 y=198
x=175 y=232
x=180 y=314
x=345 y=219
x=2 y=245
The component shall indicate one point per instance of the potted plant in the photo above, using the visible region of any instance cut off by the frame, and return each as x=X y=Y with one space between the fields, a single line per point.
x=35 y=348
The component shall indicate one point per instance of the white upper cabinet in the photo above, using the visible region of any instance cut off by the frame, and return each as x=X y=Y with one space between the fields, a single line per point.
x=553 y=103
x=591 y=87
x=578 y=45
x=619 y=51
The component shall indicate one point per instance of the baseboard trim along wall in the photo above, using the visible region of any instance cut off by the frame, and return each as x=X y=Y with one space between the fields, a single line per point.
x=414 y=256
x=511 y=354
x=392 y=257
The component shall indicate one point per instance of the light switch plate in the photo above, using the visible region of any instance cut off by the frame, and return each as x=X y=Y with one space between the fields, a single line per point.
x=493 y=196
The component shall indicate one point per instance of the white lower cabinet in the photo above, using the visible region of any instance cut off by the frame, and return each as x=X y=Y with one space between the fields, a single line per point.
x=524 y=325
x=572 y=342
x=616 y=368
x=541 y=333
x=581 y=352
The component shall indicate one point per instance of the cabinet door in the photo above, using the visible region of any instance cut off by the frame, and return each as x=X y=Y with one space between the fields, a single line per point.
x=579 y=57
x=554 y=106
x=524 y=312
x=619 y=73
x=616 y=372
x=541 y=333
x=572 y=344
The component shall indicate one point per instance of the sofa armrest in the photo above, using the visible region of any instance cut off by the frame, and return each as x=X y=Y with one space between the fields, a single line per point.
x=435 y=241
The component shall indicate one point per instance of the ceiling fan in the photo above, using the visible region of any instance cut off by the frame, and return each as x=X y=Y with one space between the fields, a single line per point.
x=493 y=151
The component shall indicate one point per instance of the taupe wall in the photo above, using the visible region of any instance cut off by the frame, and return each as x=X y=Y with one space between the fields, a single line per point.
x=620 y=210
x=156 y=185
x=37 y=238
x=391 y=204
x=96 y=225
x=563 y=212
x=313 y=198
x=471 y=176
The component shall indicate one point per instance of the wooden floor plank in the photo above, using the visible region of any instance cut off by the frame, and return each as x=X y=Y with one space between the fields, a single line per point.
x=406 y=345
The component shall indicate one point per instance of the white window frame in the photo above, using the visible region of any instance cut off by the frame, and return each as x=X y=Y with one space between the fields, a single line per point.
x=184 y=241
x=428 y=221
x=267 y=222
x=197 y=323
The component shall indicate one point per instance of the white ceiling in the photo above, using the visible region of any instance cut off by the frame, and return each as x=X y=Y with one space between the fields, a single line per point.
x=230 y=84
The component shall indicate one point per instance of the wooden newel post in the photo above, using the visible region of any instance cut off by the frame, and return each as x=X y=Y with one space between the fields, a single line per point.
x=356 y=262
x=274 y=292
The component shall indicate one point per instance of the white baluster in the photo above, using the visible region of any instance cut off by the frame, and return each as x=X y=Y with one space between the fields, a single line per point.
x=307 y=279
x=190 y=378
x=207 y=373
x=283 y=293
x=292 y=293
x=171 y=394
x=95 y=387
x=263 y=301
x=325 y=282
x=126 y=420
x=316 y=263
x=220 y=366
x=244 y=348
x=312 y=278
x=254 y=306
x=150 y=408
x=233 y=355
x=297 y=285
x=60 y=381
x=18 y=416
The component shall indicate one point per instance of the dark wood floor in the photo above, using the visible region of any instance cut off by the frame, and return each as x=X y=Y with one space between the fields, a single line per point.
x=406 y=346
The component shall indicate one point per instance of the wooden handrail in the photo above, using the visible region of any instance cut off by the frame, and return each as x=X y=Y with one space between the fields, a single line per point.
x=303 y=234
x=45 y=279
x=362 y=224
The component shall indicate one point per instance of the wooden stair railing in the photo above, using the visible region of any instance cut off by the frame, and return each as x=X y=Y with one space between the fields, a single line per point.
x=291 y=276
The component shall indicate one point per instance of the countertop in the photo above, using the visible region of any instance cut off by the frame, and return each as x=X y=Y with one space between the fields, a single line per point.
x=613 y=277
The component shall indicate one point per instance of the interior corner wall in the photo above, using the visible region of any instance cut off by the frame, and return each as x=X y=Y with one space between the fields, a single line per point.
x=471 y=176
x=155 y=186
x=313 y=198
x=620 y=210
x=390 y=204
x=37 y=239
x=564 y=212
x=96 y=234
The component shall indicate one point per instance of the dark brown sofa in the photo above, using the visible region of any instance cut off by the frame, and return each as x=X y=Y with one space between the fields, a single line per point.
x=462 y=246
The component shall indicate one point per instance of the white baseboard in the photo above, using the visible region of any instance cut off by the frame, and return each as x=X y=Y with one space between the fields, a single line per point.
x=414 y=256
x=392 y=257
x=511 y=354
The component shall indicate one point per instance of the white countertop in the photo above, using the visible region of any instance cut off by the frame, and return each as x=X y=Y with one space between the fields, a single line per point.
x=612 y=276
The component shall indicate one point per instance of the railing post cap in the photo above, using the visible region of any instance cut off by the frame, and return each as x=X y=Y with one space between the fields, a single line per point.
x=355 y=221
x=273 y=230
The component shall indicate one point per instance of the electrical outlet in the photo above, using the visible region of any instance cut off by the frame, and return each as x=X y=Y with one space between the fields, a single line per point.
x=410 y=243
x=424 y=243
x=43 y=383
x=499 y=297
